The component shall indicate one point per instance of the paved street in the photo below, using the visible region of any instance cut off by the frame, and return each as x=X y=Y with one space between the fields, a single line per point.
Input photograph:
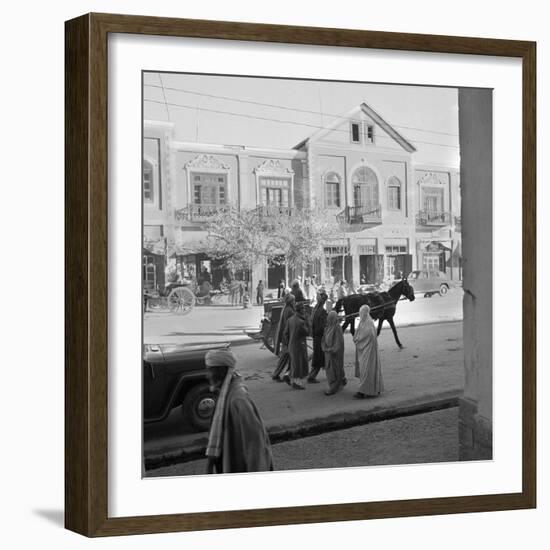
x=227 y=323
x=429 y=369
x=422 y=438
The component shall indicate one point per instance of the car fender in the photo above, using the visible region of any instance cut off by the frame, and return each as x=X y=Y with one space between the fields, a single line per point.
x=184 y=379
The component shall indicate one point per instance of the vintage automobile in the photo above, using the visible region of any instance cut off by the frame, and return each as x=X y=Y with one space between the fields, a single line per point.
x=174 y=375
x=429 y=282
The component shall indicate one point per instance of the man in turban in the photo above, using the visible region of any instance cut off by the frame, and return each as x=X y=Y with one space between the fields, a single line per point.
x=238 y=441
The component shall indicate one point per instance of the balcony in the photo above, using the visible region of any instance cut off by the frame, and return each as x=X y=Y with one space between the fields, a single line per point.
x=357 y=218
x=429 y=219
x=274 y=210
x=198 y=212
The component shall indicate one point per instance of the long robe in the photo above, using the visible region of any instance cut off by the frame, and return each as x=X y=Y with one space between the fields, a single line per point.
x=318 y=323
x=288 y=311
x=296 y=331
x=246 y=446
x=333 y=347
x=367 y=359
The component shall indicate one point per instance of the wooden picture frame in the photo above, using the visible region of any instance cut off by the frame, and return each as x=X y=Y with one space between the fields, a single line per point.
x=86 y=230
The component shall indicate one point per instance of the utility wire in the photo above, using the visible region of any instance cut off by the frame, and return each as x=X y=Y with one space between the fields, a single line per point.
x=164 y=96
x=292 y=122
x=259 y=103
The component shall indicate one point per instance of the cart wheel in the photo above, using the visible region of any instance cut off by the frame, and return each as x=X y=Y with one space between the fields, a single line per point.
x=181 y=300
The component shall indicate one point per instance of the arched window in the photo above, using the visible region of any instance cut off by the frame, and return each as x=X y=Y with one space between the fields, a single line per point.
x=365 y=188
x=394 y=193
x=332 y=190
x=148 y=184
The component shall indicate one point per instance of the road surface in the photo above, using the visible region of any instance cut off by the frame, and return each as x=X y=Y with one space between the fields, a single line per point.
x=418 y=439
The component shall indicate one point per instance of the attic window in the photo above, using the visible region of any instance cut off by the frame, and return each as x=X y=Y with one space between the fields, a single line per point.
x=369 y=133
x=355 y=132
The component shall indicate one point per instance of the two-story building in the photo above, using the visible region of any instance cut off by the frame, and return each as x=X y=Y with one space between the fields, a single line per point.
x=392 y=215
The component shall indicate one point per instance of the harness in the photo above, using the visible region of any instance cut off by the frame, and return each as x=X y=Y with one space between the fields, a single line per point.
x=381 y=306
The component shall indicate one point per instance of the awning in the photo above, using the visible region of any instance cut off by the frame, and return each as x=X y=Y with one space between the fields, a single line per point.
x=436 y=246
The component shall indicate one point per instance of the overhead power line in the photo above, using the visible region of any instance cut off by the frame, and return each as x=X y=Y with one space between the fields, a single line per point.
x=281 y=121
x=285 y=108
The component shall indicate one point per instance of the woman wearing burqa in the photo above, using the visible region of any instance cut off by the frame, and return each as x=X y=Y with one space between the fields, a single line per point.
x=333 y=346
x=367 y=358
x=281 y=346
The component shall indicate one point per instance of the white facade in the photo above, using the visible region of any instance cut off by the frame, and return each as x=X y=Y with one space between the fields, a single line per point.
x=393 y=215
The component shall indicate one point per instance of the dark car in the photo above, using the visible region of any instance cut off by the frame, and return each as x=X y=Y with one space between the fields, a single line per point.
x=174 y=375
x=429 y=282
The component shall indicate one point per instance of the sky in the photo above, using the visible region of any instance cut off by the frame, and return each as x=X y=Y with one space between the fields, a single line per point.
x=279 y=113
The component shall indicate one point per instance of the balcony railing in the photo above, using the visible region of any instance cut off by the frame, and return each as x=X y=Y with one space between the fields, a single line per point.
x=432 y=218
x=360 y=215
x=274 y=210
x=198 y=212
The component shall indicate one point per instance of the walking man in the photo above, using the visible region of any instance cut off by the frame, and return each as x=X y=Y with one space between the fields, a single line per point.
x=296 y=332
x=260 y=293
x=318 y=323
x=238 y=440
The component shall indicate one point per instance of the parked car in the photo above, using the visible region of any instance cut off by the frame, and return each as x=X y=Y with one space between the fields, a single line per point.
x=174 y=375
x=429 y=282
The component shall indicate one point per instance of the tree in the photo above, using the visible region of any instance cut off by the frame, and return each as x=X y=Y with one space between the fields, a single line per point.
x=301 y=234
x=244 y=238
x=238 y=238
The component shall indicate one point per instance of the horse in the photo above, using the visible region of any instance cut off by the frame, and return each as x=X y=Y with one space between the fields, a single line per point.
x=383 y=306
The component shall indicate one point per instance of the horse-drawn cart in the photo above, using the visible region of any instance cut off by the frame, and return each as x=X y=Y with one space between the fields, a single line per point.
x=182 y=297
x=270 y=322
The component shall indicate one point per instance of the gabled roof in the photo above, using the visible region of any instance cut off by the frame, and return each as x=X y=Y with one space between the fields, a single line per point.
x=369 y=111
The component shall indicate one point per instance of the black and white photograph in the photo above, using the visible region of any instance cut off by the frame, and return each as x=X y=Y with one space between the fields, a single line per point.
x=302 y=276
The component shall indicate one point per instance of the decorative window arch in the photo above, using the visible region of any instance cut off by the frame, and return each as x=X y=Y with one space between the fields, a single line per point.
x=365 y=188
x=148 y=181
x=394 y=193
x=332 y=182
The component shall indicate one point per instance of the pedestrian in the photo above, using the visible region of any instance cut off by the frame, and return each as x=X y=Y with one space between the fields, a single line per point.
x=234 y=292
x=307 y=288
x=318 y=323
x=241 y=291
x=260 y=293
x=281 y=343
x=238 y=440
x=281 y=289
x=313 y=286
x=341 y=292
x=367 y=359
x=332 y=345
x=297 y=291
x=296 y=332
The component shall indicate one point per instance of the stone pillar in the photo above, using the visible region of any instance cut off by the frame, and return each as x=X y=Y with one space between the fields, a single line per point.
x=475 y=412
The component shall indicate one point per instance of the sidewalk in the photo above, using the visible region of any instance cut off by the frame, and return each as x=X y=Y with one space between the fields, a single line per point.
x=427 y=375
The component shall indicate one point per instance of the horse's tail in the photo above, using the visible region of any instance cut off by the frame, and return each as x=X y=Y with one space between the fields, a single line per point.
x=338 y=305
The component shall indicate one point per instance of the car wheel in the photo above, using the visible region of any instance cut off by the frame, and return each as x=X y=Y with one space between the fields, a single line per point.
x=198 y=406
x=443 y=289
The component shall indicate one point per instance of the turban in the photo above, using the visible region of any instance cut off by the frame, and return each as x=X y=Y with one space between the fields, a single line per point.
x=222 y=357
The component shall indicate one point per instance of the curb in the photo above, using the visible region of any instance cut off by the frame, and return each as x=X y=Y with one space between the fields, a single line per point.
x=317 y=426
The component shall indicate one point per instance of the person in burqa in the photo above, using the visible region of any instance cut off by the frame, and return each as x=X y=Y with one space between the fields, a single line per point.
x=297 y=291
x=318 y=323
x=296 y=332
x=281 y=345
x=367 y=359
x=332 y=345
x=238 y=440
